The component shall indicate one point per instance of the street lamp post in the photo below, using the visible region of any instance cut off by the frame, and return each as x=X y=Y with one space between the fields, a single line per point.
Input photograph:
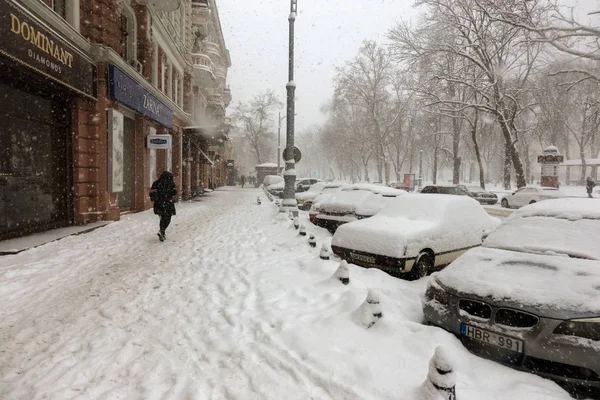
x=279 y=142
x=289 y=193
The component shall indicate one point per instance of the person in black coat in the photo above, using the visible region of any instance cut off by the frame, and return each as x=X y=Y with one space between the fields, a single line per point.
x=163 y=193
x=589 y=185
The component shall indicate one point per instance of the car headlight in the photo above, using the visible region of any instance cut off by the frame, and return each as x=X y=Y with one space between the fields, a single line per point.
x=588 y=328
x=434 y=292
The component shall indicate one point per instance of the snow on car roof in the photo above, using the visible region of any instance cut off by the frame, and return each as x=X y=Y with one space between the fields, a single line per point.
x=564 y=208
x=384 y=190
x=431 y=206
x=412 y=218
x=538 y=283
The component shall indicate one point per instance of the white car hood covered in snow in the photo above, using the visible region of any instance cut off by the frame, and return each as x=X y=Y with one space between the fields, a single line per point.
x=439 y=222
x=552 y=286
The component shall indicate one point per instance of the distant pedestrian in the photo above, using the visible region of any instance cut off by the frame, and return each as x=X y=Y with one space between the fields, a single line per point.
x=589 y=186
x=163 y=194
x=243 y=180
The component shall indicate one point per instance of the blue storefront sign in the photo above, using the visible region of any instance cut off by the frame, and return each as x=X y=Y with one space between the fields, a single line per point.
x=130 y=93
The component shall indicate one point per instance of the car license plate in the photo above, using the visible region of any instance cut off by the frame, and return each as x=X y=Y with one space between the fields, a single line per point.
x=363 y=258
x=492 y=338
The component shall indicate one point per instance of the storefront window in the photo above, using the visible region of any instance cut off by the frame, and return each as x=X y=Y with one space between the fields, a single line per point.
x=33 y=176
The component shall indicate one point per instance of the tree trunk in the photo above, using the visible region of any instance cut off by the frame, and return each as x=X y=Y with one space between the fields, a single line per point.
x=477 y=152
x=583 y=164
x=435 y=164
x=567 y=156
x=513 y=155
x=455 y=144
x=506 y=166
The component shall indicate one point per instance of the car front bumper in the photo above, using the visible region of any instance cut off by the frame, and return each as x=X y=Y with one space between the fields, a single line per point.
x=560 y=358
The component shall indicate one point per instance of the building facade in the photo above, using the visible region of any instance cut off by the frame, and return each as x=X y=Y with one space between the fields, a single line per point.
x=98 y=98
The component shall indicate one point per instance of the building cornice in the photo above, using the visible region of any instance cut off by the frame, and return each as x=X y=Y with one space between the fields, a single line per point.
x=105 y=54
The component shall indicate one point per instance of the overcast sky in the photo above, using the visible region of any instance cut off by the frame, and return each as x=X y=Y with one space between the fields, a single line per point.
x=328 y=32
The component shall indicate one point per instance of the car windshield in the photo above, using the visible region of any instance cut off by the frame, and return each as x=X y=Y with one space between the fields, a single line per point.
x=549 y=235
x=475 y=189
x=449 y=190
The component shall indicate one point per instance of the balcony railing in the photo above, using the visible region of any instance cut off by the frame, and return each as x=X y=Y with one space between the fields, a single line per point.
x=199 y=3
x=203 y=61
x=212 y=49
x=221 y=73
x=215 y=100
x=227 y=95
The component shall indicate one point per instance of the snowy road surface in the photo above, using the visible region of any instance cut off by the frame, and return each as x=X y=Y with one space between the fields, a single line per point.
x=234 y=305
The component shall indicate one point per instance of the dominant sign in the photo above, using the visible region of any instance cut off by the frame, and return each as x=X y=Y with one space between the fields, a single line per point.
x=27 y=40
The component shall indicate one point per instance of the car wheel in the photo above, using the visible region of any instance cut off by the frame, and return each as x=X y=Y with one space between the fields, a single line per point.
x=307 y=206
x=504 y=203
x=532 y=202
x=423 y=264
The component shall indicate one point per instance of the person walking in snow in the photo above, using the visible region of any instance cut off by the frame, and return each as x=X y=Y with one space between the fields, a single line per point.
x=243 y=180
x=589 y=186
x=163 y=194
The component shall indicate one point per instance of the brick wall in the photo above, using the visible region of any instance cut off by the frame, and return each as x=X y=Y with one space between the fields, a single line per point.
x=100 y=22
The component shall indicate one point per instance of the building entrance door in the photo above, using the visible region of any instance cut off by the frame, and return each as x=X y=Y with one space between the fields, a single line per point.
x=127 y=195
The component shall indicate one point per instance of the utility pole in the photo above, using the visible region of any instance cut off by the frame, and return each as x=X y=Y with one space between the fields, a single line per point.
x=289 y=193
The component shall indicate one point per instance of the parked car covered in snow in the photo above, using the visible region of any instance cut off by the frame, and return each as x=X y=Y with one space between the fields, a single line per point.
x=530 y=295
x=305 y=199
x=479 y=194
x=302 y=185
x=361 y=200
x=414 y=234
x=444 y=189
x=529 y=195
x=274 y=184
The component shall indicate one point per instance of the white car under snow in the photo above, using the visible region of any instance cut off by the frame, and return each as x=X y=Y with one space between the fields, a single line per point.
x=414 y=234
x=305 y=199
x=355 y=202
x=529 y=195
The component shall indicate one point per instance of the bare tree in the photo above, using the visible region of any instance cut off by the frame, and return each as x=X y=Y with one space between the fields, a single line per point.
x=254 y=120
x=366 y=83
x=502 y=57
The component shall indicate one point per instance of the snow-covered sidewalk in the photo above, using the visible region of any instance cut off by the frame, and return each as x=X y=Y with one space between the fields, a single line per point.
x=234 y=305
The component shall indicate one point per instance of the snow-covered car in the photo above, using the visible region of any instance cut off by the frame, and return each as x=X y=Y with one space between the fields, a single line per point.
x=444 y=189
x=479 y=194
x=530 y=295
x=529 y=195
x=302 y=185
x=414 y=234
x=274 y=184
x=358 y=201
x=305 y=199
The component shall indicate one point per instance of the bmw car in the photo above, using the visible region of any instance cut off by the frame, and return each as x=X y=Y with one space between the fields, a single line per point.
x=529 y=297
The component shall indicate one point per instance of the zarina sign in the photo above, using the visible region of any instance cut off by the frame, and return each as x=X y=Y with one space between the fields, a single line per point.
x=126 y=90
x=158 y=141
x=27 y=40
